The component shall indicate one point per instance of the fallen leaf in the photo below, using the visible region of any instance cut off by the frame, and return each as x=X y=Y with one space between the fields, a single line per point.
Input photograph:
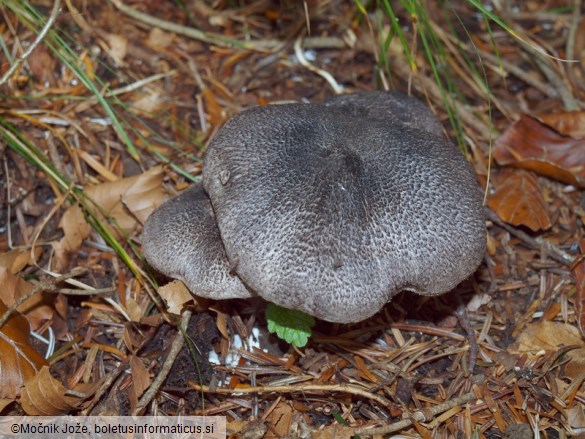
x=15 y=260
x=531 y=145
x=334 y=431
x=280 y=418
x=159 y=39
x=35 y=309
x=567 y=123
x=176 y=295
x=19 y=361
x=140 y=376
x=518 y=199
x=549 y=337
x=126 y=201
x=118 y=47
x=43 y=395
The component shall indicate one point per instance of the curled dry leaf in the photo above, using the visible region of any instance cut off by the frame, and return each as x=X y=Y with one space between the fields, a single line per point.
x=43 y=395
x=19 y=361
x=531 y=145
x=127 y=201
x=518 y=199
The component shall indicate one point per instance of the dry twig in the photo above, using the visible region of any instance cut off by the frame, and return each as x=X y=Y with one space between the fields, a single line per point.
x=54 y=14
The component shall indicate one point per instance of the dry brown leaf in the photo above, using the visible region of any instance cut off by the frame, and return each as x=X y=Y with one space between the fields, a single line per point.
x=549 y=337
x=126 y=201
x=576 y=417
x=140 y=376
x=518 y=200
x=19 y=361
x=15 y=260
x=221 y=321
x=43 y=395
x=334 y=431
x=34 y=309
x=159 y=39
x=118 y=47
x=149 y=103
x=567 y=123
x=531 y=145
x=280 y=418
x=176 y=295
x=578 y=272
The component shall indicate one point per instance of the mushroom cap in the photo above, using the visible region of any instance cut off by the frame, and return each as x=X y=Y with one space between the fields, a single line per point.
x=329 y=210
x=181 y=240
x=393 y=108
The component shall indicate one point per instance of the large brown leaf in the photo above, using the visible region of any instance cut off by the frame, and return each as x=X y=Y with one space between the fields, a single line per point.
x=43 y=395
x=518 y=199
x=19 y=361
x=567 y=123
x=531 y=145
x=126 y=201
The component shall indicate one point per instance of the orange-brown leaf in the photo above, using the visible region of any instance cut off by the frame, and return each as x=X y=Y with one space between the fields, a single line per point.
x=18 y=359
x=567 y=123
x=124 y=200
x=531 y=145
x=34 y=309
x=140 y=376
x=43 y=395
x=518 y=200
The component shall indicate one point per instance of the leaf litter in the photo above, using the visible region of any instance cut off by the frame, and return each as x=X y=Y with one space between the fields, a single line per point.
x=394 y=372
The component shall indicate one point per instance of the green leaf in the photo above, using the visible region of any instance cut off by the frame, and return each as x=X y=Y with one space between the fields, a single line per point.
x=292 y=326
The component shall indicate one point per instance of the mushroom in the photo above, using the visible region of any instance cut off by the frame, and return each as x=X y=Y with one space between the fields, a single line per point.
x=330 y=208
x=181 y=240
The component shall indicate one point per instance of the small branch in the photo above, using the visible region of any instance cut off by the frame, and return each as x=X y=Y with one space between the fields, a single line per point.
x=536 y=244
x=176 y=347
x=306 y=64
x=318 y=42
x=345 y=388
x=50 y=286
x=419 y=416
x=54 y=13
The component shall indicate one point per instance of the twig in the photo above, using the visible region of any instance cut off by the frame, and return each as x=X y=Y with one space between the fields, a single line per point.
x=196 y=34
x=419 y=416
x=317 y=42
x=324 y=74
x=536 y=244
x=176 y=347
x=54 y=13
x=345 y=388
x=50 y=286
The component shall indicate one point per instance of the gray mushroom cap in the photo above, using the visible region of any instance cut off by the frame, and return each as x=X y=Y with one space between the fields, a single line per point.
x=334 y=208
x=393 y=108
x=181 y=240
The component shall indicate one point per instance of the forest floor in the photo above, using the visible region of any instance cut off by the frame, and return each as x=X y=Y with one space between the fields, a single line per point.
x=111 y=114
